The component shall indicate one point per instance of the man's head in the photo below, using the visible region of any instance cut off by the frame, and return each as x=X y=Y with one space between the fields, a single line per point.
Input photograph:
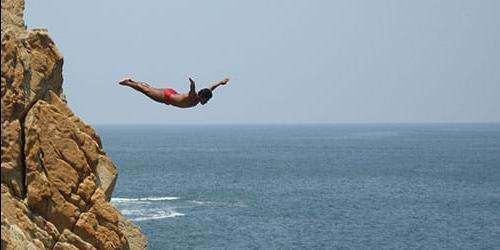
x=204 y=95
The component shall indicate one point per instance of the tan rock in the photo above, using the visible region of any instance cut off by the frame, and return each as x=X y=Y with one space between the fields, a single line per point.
x=13 y=76
x=12 y=15
x=20 y=227
x=132 y=233
x=12 y=170
x=60 y=104
x=77 y=201
x=86 y=227
x=103 y=209
x=75 y=240
x=109 y=239
x=106 y=175
x=56 y=176
x=87 y=188
x=64 y=246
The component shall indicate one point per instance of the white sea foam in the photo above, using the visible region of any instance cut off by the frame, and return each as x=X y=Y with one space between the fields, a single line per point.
x=122 y=200
x=164 y=215
x=132 y=212
x=219 y=203
x=161 y=198
x=198 y=202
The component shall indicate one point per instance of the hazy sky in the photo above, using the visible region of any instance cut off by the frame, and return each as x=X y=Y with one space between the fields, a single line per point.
x=289 y=61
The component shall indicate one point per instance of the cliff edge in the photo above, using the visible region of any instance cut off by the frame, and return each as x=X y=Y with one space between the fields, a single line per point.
x=56 y=179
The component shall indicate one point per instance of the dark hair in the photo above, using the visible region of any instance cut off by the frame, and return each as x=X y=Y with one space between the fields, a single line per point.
x=205 y=93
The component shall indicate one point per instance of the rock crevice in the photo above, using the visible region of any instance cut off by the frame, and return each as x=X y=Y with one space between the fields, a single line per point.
x=57 y=180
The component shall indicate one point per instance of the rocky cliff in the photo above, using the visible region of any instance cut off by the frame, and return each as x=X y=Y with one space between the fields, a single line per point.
x=56 y=178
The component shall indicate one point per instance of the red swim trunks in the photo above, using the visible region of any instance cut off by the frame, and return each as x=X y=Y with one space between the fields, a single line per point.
x=167 y=93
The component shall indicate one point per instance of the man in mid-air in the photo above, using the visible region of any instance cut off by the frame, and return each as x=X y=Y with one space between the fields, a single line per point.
x=171 y=97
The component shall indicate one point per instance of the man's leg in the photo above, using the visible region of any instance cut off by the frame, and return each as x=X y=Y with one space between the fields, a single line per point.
x=153 y=93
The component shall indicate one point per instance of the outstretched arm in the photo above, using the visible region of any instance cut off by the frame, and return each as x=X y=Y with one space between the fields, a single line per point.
x=221 y=82
x=192 y=87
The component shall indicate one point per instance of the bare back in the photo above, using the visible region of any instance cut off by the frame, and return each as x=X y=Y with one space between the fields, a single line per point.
x=184 y=100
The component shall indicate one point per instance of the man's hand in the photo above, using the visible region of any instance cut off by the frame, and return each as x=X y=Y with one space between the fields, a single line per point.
x=223 y=82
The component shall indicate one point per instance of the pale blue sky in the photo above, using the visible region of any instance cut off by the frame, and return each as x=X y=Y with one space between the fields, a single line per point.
x=289 y=61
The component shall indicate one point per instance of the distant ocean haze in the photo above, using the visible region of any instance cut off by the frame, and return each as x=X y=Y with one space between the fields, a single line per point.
x=310 y=186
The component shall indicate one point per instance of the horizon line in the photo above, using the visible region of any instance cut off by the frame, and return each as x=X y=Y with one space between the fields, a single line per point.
x=299 y=123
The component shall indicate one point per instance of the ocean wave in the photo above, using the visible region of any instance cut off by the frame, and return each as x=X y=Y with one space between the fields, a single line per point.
x=165 y=198
x=170 y=214
x=132 y=212
x=219 y=203
x=199 y=202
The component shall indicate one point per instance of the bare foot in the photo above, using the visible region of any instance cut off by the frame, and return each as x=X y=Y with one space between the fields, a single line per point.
x=126 y=81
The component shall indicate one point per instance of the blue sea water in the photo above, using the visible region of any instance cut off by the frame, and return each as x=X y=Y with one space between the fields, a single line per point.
x=428 y=186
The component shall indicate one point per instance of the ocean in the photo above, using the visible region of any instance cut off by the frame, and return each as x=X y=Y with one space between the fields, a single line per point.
x=378 y=186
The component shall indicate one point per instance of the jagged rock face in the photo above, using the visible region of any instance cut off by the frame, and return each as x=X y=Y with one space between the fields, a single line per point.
x=56 y=178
